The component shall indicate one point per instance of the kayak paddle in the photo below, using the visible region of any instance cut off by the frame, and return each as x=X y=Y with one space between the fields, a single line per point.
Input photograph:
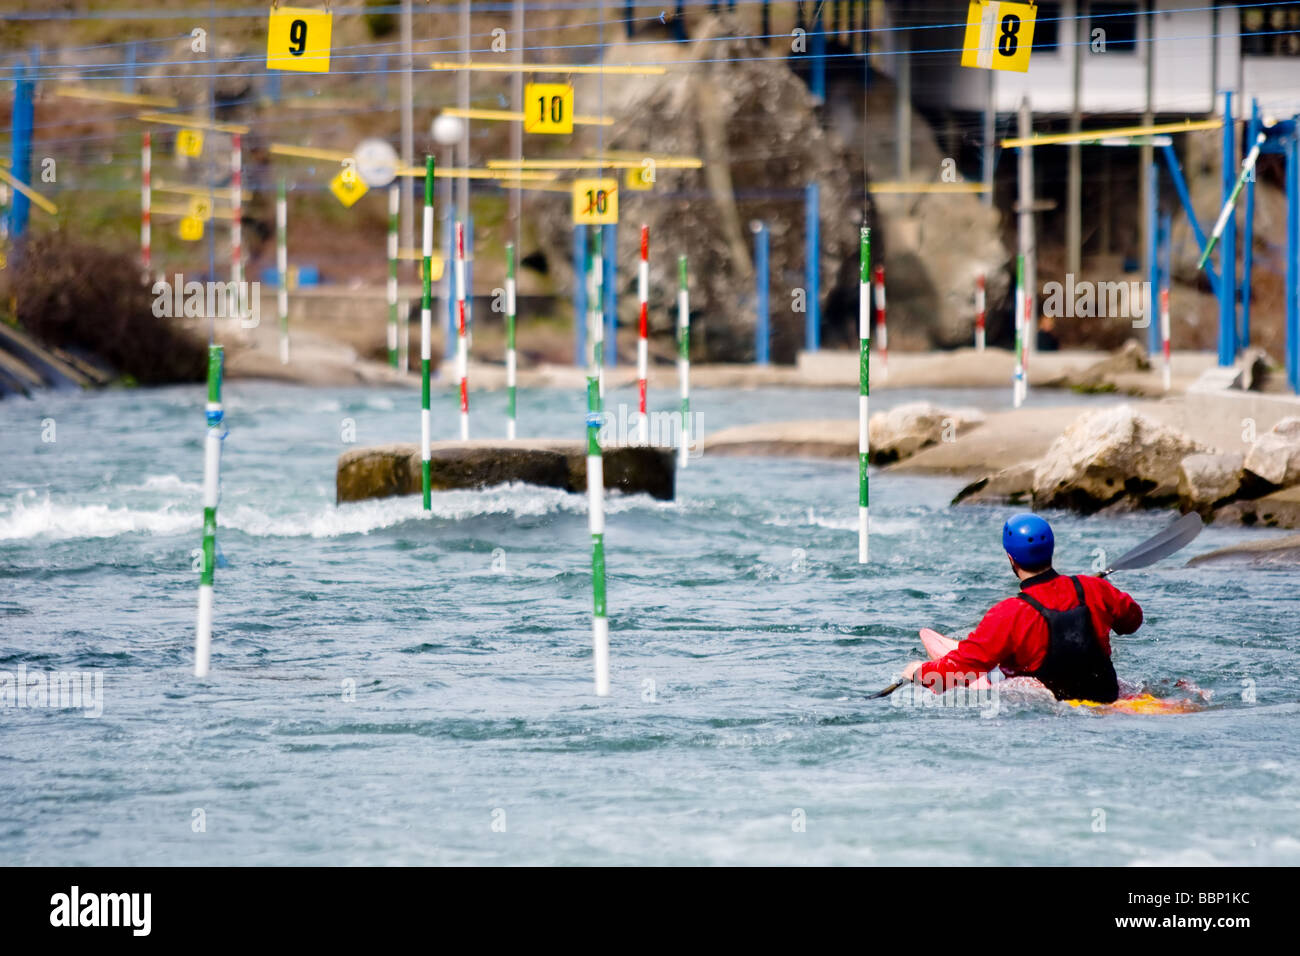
x=1173 y=538
x=1161 y=545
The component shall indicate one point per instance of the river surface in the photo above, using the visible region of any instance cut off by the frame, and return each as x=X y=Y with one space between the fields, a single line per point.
x=396 y=687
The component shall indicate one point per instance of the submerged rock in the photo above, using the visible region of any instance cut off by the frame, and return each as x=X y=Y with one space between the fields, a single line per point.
x=1114 y=456
x=1276 y=551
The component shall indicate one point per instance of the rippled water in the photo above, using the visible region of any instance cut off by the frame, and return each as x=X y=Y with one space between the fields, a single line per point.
x=743 y=638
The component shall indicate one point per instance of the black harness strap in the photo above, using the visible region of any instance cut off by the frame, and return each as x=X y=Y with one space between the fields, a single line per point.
x=1075 y=666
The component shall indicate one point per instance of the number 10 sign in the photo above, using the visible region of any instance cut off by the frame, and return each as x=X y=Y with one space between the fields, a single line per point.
x=298 y=39
x=999 y=36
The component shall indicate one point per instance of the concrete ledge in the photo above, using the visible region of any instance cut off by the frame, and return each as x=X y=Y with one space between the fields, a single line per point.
x=829 y=438
x=382 y=471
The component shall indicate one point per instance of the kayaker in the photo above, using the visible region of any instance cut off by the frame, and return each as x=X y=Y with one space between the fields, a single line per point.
x=1057 y=629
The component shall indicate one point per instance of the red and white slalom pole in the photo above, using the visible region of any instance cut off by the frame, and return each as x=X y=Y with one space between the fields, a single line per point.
x=462 y=345
x=642 y=342
x=1164 y=335
x=146 y=201
x=236 y=210
x=882 y=329
x=979 y=312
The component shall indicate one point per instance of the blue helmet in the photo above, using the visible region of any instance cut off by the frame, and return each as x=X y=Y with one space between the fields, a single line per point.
x=1029 y=541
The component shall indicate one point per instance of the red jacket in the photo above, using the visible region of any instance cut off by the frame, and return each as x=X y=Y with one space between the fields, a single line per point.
x=1013 y=635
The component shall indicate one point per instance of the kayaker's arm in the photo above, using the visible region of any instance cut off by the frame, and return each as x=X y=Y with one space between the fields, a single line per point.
x=1126 y=613
x=982 y=651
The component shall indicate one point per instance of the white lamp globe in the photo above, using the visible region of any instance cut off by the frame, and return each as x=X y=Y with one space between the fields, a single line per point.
x=447 y=130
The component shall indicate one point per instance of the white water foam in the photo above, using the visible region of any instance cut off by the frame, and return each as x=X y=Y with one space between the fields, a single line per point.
x=29 y=518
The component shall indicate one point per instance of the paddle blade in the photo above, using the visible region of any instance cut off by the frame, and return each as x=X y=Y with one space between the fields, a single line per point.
x=1173 y=538
x=887 y=691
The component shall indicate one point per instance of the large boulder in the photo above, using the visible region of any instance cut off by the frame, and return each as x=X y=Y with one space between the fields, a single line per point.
x=905 y=430
x=726 y=100
x=1275 y=456
x=1208 y=480
x=1112 y=456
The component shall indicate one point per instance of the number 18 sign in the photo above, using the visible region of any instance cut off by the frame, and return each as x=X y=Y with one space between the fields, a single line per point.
x=999 y=36
x=299 y=39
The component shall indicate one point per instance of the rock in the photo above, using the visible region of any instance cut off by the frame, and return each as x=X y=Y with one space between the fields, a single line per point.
x=1275 y=551
x=1275 y=456
x=1010 y=486
x=1281 y=509
x=905 y=430
x=395 y=469
x=1208 y=480
x=1110 y=457
x=1098 y=376
x=1256 y=365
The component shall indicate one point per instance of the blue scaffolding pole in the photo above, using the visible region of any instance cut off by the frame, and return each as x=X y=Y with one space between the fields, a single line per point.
x=762 y=339
x=608 y=280
x=812 y=264
x=1180 y=186
x=1153 y=262
x=580 y=296
x=20 y=166
x=1228 y=244
x=1293 y=256
x=1248 y=231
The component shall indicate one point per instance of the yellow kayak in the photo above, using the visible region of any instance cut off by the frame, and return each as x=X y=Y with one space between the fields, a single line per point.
x=1143 y=704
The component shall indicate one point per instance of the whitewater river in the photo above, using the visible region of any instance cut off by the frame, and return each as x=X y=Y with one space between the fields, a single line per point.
x=394 y=687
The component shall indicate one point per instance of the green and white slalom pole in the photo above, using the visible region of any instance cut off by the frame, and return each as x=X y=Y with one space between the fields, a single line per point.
x=510 y=341
x=282 y=267
x=1246 y=166
x=684 y=355
x=394 y=203
x=596 y=510
x=1018 y=380
x=597 y=335
x=426 y=334
x=864 y=389
x=211 y=494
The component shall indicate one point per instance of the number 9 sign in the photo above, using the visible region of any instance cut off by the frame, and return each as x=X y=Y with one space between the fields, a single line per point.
x=999 y=36
x=299 y=39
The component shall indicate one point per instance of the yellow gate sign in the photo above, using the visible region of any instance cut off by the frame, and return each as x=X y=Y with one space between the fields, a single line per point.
x=548 y=108
x=299 y=39
x=999 y=36
x=595 y=202
x=200 y=209
x=347 y=187
x=191 y=229
x=189 y=142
